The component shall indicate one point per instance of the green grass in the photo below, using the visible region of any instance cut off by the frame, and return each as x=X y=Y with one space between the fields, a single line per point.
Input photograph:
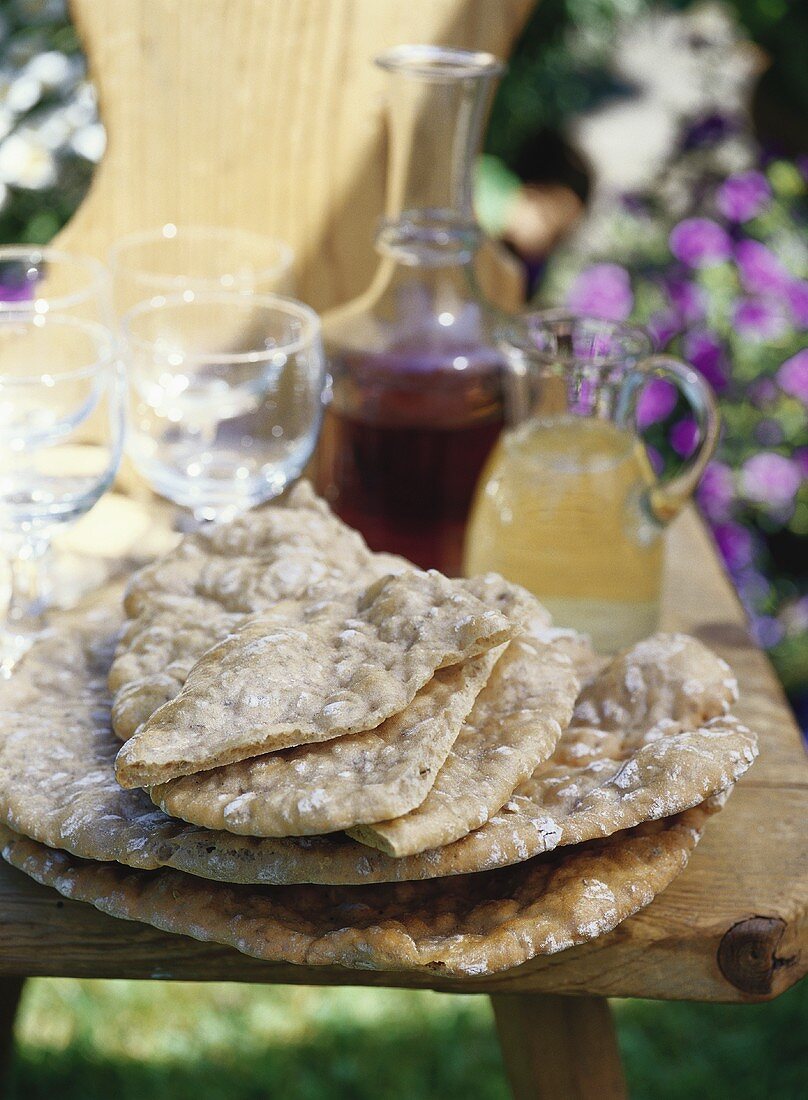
x=84 y=1040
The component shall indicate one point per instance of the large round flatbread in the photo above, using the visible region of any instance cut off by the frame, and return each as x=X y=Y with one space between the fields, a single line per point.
x=58 y=786
x=469 y=925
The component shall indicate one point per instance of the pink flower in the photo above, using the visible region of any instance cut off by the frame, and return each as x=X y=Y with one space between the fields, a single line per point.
x=603 y=291
x=792 y=377
x=743 y=196
x=700 y=242
x=797 y=297
x=758 y=320
x=706 y=352
x=760 y=270
x=771 y=479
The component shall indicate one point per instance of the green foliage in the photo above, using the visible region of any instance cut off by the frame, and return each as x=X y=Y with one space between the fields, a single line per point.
x=85 y=1040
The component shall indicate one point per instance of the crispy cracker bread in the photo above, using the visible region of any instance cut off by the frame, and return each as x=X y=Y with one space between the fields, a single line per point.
x=57 y=782
x=340 y=783
x=468 y=925
x=310 y=670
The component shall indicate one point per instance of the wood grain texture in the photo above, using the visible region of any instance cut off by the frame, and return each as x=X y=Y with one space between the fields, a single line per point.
x=557 y=1047
x=260 y=114
x=752 y=863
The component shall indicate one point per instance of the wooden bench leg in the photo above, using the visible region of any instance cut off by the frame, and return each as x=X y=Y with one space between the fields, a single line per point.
x=10 y=992
x=559 y=1048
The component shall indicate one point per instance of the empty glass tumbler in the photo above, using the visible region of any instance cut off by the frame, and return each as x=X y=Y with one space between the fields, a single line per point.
x=225 y=396
x=569 y=504
x=172 y=259
x=38 y=279
x=61 y=433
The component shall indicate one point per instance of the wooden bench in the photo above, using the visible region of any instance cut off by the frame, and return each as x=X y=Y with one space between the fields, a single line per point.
x=732 y=927
x=266 y=115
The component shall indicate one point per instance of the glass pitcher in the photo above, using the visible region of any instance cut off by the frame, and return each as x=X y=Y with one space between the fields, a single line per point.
x=417 y=375
x=569 y=505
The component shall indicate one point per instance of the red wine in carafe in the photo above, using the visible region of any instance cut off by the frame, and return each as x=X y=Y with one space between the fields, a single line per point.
x=404 y=442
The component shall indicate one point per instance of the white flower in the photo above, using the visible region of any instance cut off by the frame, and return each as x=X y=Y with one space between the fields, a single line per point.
x=90 y=141
x=25 y=162
x=22 y=94
x=52 y=69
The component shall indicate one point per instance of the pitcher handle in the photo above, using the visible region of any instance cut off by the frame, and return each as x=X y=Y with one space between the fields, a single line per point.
x=668 y=496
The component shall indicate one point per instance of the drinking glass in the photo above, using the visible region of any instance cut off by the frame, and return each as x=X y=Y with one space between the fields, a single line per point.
x=34 y=279
x=171 y=259
x=569 y=505
x=225 y=396
x=61 y=432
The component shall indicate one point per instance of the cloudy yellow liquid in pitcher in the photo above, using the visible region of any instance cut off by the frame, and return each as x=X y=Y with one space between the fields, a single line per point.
x=559 y=509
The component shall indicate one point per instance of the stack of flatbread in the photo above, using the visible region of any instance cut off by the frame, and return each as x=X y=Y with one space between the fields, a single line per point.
x=331 y=757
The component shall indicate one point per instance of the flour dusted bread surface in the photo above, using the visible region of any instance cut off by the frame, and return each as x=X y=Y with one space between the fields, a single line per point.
x=214 y=580
x=471 y=924
x=513 y=727
x=343 y=782
x=310 y=670
x=57 y=783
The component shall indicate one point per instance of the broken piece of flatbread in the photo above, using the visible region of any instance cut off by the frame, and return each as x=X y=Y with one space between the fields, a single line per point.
x=311 y=670
x=57 y=782
x=339 y=783
x=361 y=778
x=468 y=925
x=215 y=579
x=513 y=727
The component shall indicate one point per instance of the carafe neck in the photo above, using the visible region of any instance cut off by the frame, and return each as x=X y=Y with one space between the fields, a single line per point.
x=436 y=108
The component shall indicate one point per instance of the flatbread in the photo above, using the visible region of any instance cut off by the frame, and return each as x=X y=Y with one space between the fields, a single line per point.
x=514 y=726
x=217 y=578
x=469 y=925
x=310 y=670
x=347 y=781
x=57 y=782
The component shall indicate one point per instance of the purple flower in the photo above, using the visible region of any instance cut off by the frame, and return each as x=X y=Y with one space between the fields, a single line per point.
x=684 y=437
x=762 y=392
x=797 y=298
x=700 y=242
x=768 y=631
x=743 y=196
x=758 y=320
x=792 y=377
x=800 y=460
x=663 y=326
x=687 y=300
x=657 y=401
x=706 y=352
x=769 y=432
x=655 y=459
x=735 y=544
x=760 y=270
x=770 y=478
x=716 y=491
x=604 y=291
x=17 y=292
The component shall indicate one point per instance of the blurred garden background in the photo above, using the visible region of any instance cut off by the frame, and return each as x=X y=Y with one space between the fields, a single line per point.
x=645 y=161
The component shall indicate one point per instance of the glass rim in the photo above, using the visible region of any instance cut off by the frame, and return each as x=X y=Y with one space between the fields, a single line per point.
x=513 y=336
x=279 y=303
x=106 y=347
x=439 y=63
x=99 y=277
x=131 y=241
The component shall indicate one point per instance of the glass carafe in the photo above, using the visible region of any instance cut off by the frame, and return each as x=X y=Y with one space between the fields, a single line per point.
x=417 y=377
x=569 y=505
